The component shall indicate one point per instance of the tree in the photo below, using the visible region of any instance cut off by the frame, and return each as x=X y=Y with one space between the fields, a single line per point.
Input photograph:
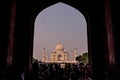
x=83 y=58
x=34 y=60
x=78 y=58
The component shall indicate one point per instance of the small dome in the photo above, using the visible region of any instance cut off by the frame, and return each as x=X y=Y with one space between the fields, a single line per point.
x=59 y=46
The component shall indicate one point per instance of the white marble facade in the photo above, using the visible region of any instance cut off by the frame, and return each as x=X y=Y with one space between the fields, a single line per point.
x=58 y=55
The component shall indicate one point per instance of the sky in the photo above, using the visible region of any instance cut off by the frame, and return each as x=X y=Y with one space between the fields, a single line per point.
x=60 y=23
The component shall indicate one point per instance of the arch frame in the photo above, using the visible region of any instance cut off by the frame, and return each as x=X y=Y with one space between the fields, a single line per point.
x=94 y=12
x=81 y=6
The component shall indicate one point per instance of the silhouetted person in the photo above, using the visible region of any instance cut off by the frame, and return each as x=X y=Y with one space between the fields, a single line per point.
x=81 y=71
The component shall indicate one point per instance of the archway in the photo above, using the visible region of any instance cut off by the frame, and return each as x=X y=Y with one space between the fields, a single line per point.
x=97 y=37
x=94 y=40
x=60 y=22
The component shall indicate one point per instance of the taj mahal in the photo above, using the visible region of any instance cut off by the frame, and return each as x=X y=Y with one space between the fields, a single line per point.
x=59 y=55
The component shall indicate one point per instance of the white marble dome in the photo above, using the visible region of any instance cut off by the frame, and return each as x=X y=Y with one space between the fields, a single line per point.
x=59 y=46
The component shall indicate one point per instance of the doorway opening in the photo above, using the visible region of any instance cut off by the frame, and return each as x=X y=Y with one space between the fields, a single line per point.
x=61 y=24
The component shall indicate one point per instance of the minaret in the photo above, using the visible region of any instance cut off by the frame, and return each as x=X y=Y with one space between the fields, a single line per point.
x=75 y=53
x=47 y=56
x=43 y=55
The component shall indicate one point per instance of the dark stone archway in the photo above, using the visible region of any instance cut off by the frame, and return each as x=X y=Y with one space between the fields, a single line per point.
x=17 y=32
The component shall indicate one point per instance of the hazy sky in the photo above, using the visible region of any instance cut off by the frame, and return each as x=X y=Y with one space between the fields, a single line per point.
x=60 y=23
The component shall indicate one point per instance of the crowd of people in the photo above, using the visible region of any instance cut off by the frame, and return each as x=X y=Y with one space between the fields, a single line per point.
x=52 y=71
x=42 y=71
